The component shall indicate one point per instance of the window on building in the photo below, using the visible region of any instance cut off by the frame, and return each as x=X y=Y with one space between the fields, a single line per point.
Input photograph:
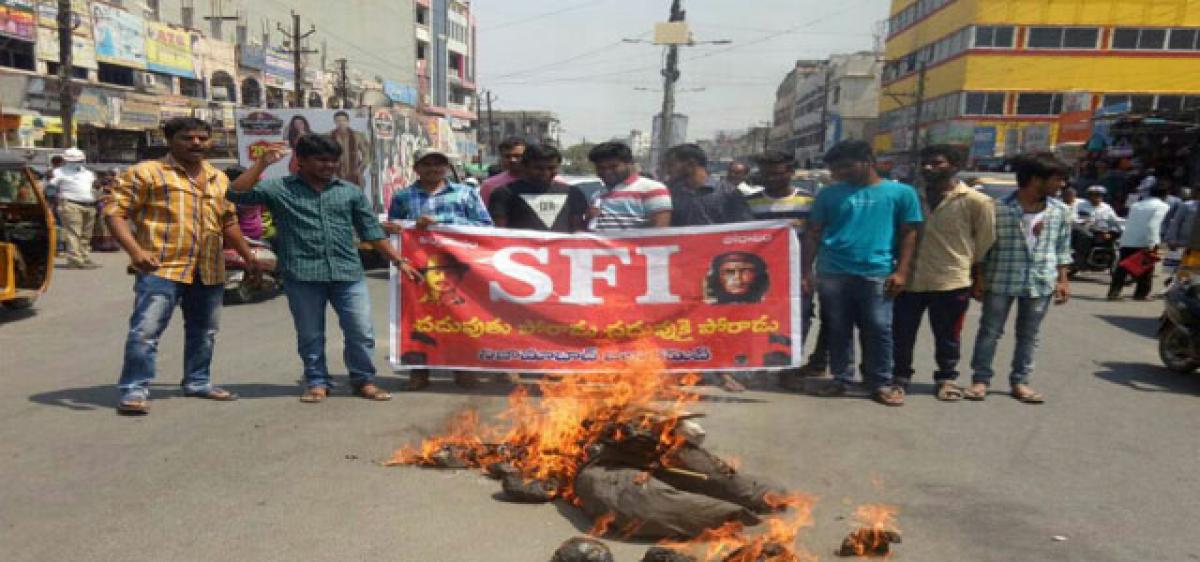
x=1182 y=40
x=1170 y=103
x=17 y=54
x=52 y=69
x=113 y=74
x=191 y=88
x=422 y=15
x=1039 y=104
x=1142 y=39
x=1063 y=37
x=994 y=37
x=421 y=50
x=984 y=103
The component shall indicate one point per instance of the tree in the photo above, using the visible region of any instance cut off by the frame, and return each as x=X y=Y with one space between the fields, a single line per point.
x=575 y=159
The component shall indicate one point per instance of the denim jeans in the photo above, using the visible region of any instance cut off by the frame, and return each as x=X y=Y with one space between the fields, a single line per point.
x=352 y=304
x=1144 y=283
x=154 y=302
x=1030 y=312
x=851 y=301
x=947 y=309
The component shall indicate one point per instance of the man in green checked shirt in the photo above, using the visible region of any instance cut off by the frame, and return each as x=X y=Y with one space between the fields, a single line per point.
x=317 y=215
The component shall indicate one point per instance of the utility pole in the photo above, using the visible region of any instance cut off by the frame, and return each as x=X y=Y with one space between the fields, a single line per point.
x=491 y=120
x=825 y=106
x=343 y=90
x=295 y=39
x=218 y=17
x=66 y=100
x=917 y=110
x=670 y=77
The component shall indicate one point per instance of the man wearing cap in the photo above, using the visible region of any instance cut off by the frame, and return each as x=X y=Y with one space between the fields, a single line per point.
x=434 y=200
x=75 y=185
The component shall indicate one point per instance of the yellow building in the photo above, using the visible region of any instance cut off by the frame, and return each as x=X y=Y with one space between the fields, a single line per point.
x=1004 y=76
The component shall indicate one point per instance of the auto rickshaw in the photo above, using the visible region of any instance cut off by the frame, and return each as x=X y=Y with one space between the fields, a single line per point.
x=27 y=235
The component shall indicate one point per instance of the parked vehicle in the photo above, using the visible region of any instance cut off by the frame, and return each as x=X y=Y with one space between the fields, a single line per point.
x=1179 y=330
x=27 y=235
x=241 y=288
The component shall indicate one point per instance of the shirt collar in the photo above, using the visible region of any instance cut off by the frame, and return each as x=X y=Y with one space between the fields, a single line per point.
x=296 y=179
x=209 y=170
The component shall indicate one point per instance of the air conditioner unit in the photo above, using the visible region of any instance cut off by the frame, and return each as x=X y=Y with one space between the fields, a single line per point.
x=220 y=93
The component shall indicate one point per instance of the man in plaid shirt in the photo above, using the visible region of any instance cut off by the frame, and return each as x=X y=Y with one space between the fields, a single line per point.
x=433 y=200
x=1026 y=266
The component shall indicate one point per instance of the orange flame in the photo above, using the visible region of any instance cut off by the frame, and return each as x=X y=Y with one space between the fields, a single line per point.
x=874 y=530
x=730 y=542
x=601 y=525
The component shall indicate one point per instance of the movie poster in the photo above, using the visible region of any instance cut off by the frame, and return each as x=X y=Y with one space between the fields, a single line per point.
x=258 y=128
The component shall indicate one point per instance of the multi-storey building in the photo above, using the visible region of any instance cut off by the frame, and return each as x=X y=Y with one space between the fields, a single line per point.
x=531 y=126
x=445 y=41
x=838 y=101
x=783 y=132
x=1000 y=75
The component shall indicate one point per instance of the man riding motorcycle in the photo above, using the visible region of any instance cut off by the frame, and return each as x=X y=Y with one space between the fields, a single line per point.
x=1095 y=223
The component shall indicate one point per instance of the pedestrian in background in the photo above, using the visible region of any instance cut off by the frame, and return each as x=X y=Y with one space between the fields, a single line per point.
x=511 y=150
x=435 y=200
x=959 y=229
x=1026 y=267
x=698 y=199
x=1143 y=233
x=862 y=234
x=317 y=217
x=737 y=175
x=629 y=200
x=538 y=202
x=182 y=222
x=75 y=186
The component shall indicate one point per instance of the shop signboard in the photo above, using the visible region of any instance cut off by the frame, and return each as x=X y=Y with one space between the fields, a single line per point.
x=983 y=142
x=1035 y=138
x=138 y=114
x=258 y=128
x=169 y=50
x=92 y=107
x=120 y=36
x=83 y=48
x=17 y=20
x=400 y=93
x=81 y=16
x=252 y=56
x=279 y=71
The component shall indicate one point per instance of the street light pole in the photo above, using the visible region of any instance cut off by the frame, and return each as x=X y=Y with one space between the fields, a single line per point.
x=66 y=61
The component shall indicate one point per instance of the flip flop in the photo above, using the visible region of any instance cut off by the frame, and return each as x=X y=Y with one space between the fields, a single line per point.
x=889 y=395
x=372 y=392
x=1030 y=396
x=314 y=395
x=730 y=384
x=213 y=393
x=975 y=395
x=134 y=407
x=949 y=392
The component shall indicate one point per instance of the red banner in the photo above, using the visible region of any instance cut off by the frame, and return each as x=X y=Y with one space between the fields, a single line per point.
x=702 y=298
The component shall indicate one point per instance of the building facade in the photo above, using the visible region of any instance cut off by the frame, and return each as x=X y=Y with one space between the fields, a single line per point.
x=535 y=127
x=838 y=101
x=1007 y=76
x=783 y=125
x=445 y=54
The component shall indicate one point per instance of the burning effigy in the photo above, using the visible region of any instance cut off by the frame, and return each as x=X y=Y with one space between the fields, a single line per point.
x=624 y=448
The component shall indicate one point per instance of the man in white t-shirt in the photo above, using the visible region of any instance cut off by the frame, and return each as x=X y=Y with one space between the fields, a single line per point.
x=75 y=185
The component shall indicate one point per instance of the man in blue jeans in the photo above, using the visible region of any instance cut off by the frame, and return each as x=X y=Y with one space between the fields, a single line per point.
x=182 y=222
x=1028 y=267
x=316 y=215
x=854 y=232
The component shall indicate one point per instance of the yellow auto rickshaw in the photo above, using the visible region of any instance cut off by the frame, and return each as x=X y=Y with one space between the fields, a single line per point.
x=27 y=235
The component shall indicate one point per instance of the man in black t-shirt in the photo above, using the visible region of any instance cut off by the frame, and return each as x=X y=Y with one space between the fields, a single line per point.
x=537 y=201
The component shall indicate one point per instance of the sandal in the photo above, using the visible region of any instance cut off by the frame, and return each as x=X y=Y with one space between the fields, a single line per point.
x=977 y=392
x=213 y=393
x=947 y=391
x=417 y=380
x=1027 y=395
x=889 y=395
x=832 y=390
x=314 y=395
x=372 y=392
x=728 y=383
x=134 y=407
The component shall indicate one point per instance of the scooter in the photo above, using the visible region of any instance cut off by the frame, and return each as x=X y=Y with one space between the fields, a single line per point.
x=1179 y=331
x=1100 y=253
x=241 y=287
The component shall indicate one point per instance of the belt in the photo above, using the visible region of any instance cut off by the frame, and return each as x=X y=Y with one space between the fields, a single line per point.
x=85 y=204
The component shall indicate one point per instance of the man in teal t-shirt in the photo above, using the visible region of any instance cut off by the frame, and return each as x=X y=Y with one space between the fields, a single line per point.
x=864 y=230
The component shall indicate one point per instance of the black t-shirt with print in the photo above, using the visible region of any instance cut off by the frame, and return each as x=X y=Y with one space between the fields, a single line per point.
x=527 y=206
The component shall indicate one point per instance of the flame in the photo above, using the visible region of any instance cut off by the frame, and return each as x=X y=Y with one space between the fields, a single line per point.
x=874 y=529
x=601 y=524
x=548 y=439
x=731 y=543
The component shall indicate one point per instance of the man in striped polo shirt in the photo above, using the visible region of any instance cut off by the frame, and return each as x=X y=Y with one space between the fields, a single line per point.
x=630 y=200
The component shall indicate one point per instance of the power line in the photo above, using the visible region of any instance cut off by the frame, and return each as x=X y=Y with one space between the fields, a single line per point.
x=563 y=10
x=539 y=69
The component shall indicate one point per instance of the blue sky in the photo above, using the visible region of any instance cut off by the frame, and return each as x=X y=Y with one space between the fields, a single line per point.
x=567 y=56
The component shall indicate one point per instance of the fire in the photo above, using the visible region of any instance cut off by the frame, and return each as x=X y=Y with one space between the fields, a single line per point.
x=731 y=543
x=548 y=439
x=875 y=530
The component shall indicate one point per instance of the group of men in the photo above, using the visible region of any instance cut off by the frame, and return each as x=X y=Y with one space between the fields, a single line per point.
x=882 y=251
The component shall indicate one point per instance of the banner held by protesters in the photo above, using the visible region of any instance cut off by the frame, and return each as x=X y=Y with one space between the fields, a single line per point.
x=712 y=298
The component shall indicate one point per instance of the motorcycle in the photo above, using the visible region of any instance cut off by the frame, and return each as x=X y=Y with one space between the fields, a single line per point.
x=1179 y=331
x=241 y=287
x=1093 y=250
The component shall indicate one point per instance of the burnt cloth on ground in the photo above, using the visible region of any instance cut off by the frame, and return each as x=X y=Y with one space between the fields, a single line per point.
x=645 y=507
x=723 y=481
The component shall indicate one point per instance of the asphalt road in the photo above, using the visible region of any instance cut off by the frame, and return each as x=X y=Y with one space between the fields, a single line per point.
x=1110 y=463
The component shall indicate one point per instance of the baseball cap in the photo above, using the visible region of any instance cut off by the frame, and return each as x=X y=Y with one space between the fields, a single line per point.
x=427 y=152
x=1097 y=189
x=74 y=155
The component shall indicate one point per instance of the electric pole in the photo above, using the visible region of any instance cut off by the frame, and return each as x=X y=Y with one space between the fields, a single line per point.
x=295 y=39
x=670 y=77
x=66 y=62
x=343 y=90
x=917 y=110
x=491 y=124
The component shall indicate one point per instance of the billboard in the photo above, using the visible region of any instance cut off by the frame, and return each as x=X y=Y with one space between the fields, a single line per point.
x=169 y=50
x=120 y=36
x=17 y=20
x=983 y=142
x=257 y=128
x=83 y=50
x=278 y=69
